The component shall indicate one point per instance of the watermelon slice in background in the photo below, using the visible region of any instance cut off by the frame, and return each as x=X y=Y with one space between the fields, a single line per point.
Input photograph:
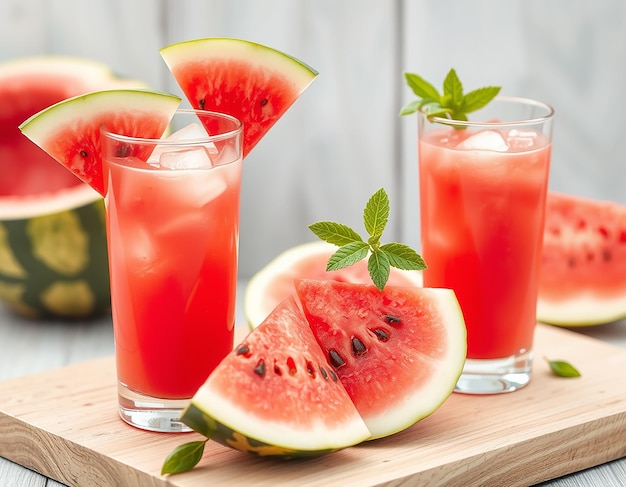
x=70 y=130
x=249 y=81
x=275 y=281
x=398 y=352
x=583 y=272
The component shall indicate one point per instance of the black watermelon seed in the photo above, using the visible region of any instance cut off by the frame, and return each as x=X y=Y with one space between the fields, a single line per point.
x=324 y=373
x=333 y=376
x=201 y=104
x=382 y=335
x=264 y=102
x=392 y=320
x=358 y=347
x=243 y=350
x=336 y=360
x=260 y=368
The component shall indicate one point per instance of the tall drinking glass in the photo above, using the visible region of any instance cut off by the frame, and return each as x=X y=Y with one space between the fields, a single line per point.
x=172 y=214
x=483 y=188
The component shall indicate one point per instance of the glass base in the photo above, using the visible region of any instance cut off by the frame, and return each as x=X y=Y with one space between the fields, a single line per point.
x=495 y=376
x=151 y=413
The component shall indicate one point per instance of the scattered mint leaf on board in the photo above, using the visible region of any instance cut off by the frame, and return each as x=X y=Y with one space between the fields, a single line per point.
x=452 y=104
x=352 y=248
x=184 y=457
x=562 y=368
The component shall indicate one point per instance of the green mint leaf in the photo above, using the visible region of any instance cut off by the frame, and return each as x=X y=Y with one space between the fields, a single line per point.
x=434 y=109
x=403 y=257
x=184 y=457
x=410 y=107
x=335 y=233
x=379 y=268
x=347 y=255
x=452 y=104
x=421 y=87
x=453 y=91
x=475 y=100
x=376 y=213
x=352 y=248
x=562 y=368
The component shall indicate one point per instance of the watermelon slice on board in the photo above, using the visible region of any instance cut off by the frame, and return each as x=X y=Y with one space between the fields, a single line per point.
x=398 y=352
x=249 y=81
x=583 y=279
x=276 y=395
x=69 y=131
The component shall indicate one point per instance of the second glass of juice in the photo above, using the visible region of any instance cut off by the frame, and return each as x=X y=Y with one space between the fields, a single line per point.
x=483 y=187
x=172 y=214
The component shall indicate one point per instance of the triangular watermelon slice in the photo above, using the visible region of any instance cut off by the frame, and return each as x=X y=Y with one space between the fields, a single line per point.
x=249 y=81
x=70 y=130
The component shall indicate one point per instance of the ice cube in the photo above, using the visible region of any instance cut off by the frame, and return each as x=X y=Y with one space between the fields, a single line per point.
x=485 y=140
x=196 y=157
x=193 y=131
x=521 y=139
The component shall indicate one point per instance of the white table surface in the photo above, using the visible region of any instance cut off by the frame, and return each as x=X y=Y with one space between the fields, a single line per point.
x=28 y=347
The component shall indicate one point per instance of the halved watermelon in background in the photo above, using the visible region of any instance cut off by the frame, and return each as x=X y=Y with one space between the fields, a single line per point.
x=53 y=256
x=70 y=130
x=275 y=281
x=398 y=352
x=275 y=394
x=249 y=81
x=583 y=273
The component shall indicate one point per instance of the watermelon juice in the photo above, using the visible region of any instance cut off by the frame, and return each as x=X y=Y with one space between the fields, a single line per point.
x=173 y=233
x=482 y=196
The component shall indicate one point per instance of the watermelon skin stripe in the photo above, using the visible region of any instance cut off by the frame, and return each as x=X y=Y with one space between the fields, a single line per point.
x=40 y=276
x=203 y=424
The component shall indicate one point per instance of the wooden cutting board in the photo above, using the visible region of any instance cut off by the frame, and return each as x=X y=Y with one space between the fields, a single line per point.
x=64 y=424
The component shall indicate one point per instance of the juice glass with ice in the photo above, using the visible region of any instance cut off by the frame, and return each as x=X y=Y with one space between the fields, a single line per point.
x=172 y=215
x=483 y=187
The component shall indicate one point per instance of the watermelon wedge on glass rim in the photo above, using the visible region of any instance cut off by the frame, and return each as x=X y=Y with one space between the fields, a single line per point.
x=251 y=82
x=69 y=131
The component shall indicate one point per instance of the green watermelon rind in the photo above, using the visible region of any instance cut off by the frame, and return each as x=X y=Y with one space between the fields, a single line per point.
x=225 y=47
x=197 y=419
x=62 y=117
x=34 y=291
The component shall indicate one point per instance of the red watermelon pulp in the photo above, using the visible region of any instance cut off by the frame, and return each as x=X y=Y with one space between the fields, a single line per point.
x=249 y=81
x=583 y=273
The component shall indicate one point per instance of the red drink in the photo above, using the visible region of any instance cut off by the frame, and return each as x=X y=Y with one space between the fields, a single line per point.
x=173 y=257
x=482 y=197
x=173 y=231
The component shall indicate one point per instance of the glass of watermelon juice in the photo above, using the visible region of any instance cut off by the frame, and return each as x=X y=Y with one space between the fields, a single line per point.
x=172 y=214
x=483 y=187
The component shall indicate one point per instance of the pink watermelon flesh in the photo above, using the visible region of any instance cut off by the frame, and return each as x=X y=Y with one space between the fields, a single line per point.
x=278 y=376
x=388 y=348
x=584 y=252
x=26 y=169
x=244 y=87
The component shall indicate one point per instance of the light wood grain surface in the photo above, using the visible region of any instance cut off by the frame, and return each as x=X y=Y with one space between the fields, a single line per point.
x=578 y=425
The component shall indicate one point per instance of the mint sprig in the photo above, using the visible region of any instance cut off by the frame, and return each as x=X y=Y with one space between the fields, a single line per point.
x=453 y=104
x=352 y=248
